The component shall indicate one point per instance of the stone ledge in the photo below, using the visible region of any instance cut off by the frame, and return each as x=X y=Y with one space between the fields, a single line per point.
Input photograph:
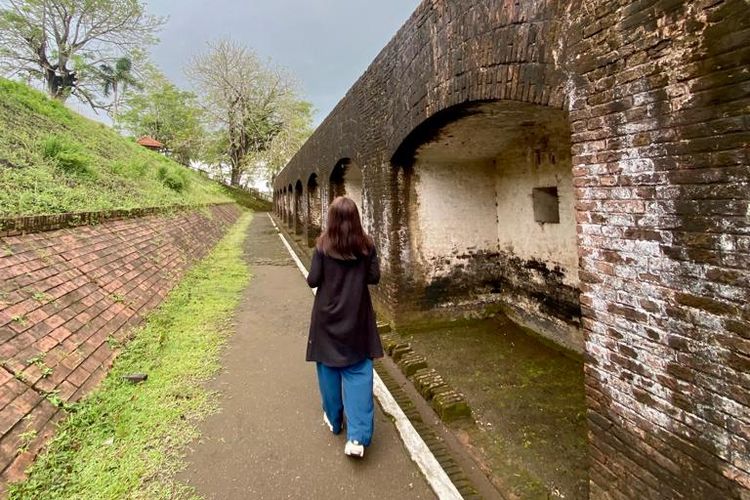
x=449 y=404
x=411 y=362
x=16 y=226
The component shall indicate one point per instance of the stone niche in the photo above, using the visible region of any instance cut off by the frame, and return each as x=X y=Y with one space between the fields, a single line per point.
x=346 y=180
x=314 y=208
x=491 y=219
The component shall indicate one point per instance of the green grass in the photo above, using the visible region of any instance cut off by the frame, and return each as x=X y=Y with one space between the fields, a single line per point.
x=246 y=199
x=53 y=160
x=125 y=440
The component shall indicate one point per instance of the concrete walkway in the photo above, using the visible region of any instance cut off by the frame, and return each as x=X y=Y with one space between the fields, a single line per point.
x=269 y=440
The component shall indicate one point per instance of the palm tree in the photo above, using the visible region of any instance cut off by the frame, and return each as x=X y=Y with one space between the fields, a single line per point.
x=116 y=79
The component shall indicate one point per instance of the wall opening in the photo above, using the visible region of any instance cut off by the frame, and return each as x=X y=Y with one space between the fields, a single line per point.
x=314 y=207
x=299 y=211
x=546 y=203
x=483 y=176
x=346 y=180
x=290 y=206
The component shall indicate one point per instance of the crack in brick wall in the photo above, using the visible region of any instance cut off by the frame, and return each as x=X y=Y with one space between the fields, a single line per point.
x=69 y=299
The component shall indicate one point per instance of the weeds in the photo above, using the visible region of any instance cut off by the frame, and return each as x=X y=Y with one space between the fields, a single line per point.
x=174 y=178
x=26 y=438
x=68 y=156
x=20 y=319
x=38 y=361
x=39 y=358
x=113 y=343
x=117 y=298
x=41 y=297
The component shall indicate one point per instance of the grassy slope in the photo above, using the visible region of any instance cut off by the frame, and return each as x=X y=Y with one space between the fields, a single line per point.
x=125 y=440
x=117 y=173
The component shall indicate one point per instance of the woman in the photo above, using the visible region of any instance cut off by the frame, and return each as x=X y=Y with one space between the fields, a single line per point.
x=343 y=337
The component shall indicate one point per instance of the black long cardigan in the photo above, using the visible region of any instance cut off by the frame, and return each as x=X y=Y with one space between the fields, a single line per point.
x=342 y=328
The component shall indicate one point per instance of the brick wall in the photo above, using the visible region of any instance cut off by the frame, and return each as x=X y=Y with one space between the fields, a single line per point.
x=657 y=93
x=68 y=297
x=661 y=167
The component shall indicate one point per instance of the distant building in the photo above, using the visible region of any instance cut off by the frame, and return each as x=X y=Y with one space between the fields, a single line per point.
x=152 y=144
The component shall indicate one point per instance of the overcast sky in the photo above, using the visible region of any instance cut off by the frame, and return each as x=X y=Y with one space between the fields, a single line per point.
x=327 y=44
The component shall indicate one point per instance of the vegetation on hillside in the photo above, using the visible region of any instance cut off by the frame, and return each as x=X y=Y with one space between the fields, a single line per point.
x=53 y=160
x=125 y=440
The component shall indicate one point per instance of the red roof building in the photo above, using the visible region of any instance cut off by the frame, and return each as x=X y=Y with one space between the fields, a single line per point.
x=150 y=143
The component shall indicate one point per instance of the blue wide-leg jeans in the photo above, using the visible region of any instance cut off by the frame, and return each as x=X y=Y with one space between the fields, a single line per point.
x=348 y=390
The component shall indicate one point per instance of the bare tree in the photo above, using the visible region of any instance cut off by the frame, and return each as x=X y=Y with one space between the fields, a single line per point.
x=296 y=116
x=63 y=42
x=242 y=97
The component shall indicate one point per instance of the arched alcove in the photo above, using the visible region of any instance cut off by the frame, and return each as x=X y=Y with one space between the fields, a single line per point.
x=290 y=206
x=282 y=204
x=346 y=180
x=314 y=207
x=299 y=211
x=490 y=219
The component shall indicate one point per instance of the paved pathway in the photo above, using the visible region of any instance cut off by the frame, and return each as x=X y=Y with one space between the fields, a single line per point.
x=269 y=440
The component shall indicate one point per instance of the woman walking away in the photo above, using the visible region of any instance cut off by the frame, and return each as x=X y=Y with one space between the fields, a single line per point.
x=343 y=337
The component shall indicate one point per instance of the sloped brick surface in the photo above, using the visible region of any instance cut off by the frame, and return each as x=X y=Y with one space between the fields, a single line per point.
x=68 y=297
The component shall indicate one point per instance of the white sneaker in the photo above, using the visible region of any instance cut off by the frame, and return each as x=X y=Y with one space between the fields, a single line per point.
x=327 y=422
x=354 y=449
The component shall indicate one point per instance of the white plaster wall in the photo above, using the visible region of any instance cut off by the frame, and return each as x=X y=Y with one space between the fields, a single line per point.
x=455 y=212
x=517 y=174
x=315 y=205
x=353 y=188
x=354 y=191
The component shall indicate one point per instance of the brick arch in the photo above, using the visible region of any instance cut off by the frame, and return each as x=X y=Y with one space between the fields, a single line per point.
x=345 y=179
x=533 y=83
x=484 y=50
x=290 y=206
x=299 y=214
x=314 y=208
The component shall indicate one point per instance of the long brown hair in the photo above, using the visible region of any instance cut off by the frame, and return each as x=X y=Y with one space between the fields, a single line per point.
x=344 y=236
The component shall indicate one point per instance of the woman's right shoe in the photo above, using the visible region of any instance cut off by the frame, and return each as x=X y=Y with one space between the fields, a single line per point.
x=354 y=449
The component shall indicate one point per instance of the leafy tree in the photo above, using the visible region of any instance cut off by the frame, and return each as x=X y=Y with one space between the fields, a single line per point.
x=116 y=79
x=166 y=113
x=243 y=100
x=63 y=42
x=296 y=117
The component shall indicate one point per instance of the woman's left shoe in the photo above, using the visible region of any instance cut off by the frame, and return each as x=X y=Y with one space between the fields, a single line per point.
x=328 y=423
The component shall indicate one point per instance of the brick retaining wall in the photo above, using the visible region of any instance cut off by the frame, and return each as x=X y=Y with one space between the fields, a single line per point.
x=68 y=297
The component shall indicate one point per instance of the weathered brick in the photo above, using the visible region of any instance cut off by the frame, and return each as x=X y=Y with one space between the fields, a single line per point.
x=656 y=98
